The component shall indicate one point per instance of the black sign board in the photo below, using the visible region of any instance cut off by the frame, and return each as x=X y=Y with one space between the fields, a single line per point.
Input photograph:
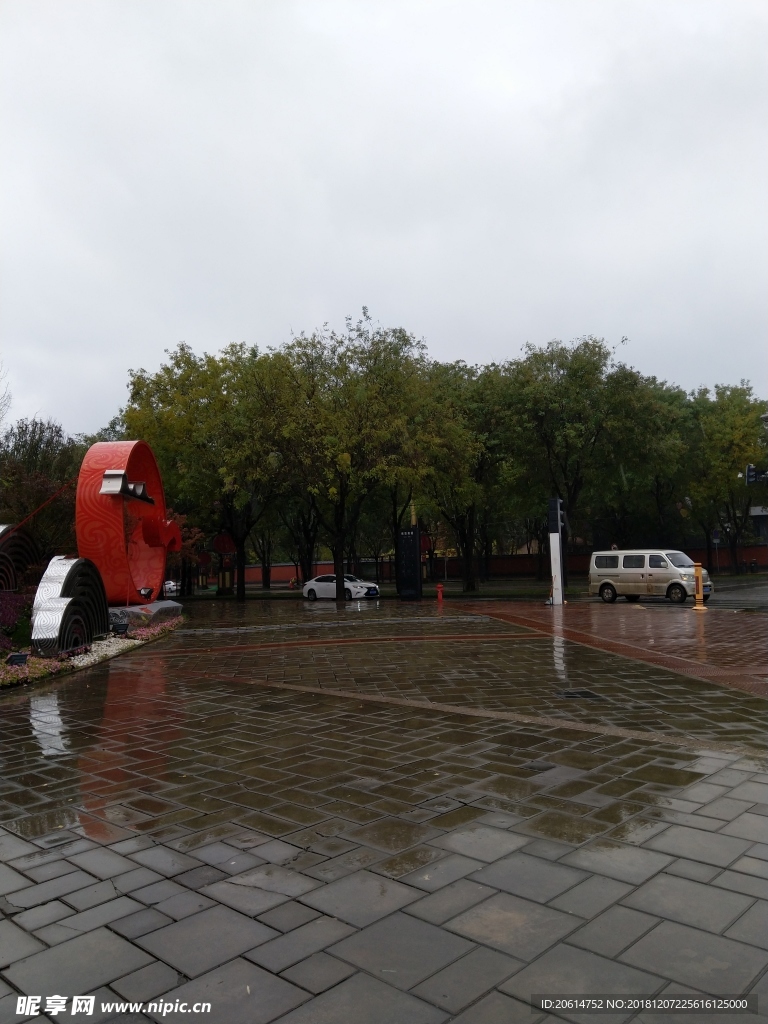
x=409 y=564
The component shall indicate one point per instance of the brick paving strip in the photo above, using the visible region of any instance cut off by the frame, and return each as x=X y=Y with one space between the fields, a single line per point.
x=748 y=679
x=683 y=742
x=347 y=641
x=297 y=851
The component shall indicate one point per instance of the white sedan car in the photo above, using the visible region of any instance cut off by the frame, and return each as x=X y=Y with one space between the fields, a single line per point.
x=171 y=587
x=325 y=586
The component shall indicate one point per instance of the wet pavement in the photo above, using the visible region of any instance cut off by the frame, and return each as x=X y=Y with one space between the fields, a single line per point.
x=391 y=814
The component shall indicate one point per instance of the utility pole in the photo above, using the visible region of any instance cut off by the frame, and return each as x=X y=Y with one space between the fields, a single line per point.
x=556 y=523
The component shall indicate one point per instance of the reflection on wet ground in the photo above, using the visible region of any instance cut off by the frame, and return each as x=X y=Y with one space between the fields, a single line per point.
x=205 y=825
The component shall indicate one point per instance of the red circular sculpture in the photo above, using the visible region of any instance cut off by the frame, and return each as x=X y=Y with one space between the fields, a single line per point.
x=121 y=520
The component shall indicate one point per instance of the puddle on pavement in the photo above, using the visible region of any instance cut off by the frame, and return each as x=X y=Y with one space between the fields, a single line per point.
x=401 y=864
x=567 y=829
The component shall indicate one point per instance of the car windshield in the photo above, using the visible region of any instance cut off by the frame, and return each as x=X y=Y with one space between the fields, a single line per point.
x=679 y=560
x=352 y=579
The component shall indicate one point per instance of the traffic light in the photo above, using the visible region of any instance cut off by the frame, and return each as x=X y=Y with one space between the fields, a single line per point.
x=556 y=516
x=755 y=476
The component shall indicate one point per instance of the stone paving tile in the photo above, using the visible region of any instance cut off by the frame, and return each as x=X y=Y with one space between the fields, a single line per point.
x=77 y=966
x=530 y=877
x=318 y=973
x=481 y=842
x=688 y=902
x=752 y=927
x=243 y=898
x=566 y=969
x=692 y=869
x=752 y=865
x=392 y=835
x=361 y=899
x=186 y=944
x=710 y=963
x=513 y=925
x=197 y=877
x=624 y=863
x=183 y=904
x=449 y=901
x=12 y=846
x=497 y=1008
x=53 y=870
x=144 y=921
x=288 y=916
x=346 y=864
x=446 y=870
x=164 y=861
x=274 y=878
x=34 y=895
x=103 y=863
x=696 y=845
x=365 y=1000
x=288 y=949
x=79 y=924
x=91 y=896
x=464 y=981
x=239 y=993
x=748 y=826
x=401 y=950
x=158 y=891
x=611 y=932
x=592 y=896
x=146 y=983
x=15 y=943
x=738 y=882
x=40 y=916
x=133 y=880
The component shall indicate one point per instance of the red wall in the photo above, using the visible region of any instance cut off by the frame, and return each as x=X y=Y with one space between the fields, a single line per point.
x=501 y=565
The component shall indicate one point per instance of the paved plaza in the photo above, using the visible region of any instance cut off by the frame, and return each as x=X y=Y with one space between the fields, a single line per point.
x=393 y=814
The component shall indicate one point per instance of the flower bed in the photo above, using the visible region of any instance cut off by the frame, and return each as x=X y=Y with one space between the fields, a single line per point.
x=100 y=650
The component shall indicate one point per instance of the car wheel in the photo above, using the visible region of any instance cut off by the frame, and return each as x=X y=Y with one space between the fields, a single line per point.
x=633 y=597
x=677 y=594
x=608 y=593
x=707 y=597
x=347 y=594
x=311 y=595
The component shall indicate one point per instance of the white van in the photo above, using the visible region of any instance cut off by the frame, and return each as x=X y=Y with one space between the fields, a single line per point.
x=644 y=572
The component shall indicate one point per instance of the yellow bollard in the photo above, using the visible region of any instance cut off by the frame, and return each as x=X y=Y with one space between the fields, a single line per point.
x=699 y=582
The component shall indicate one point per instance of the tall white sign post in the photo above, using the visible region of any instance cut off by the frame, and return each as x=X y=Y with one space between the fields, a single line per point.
x=556 y=549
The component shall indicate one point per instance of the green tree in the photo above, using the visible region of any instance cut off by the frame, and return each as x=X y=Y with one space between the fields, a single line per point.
x=214 y=422
x=40 y=462
x=350 y=425
x=728 y=435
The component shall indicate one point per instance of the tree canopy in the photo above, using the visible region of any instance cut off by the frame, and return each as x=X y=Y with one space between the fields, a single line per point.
x=328 y=442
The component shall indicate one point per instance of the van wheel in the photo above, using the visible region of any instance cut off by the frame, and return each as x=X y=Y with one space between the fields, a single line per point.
x=608 y=593
x=633 y=597
x=677 y=594
x=311 y=595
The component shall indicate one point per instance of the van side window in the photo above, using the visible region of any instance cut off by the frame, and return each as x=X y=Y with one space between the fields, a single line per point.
x=606 y=561
x=634 y=561
x=656 y=562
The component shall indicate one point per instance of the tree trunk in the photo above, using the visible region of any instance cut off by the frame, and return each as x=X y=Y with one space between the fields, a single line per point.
x=468 y=551
x=266 y=574
x=240 y=567
x=338 y=566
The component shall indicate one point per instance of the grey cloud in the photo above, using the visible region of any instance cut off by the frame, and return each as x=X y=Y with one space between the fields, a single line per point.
x=484 y=173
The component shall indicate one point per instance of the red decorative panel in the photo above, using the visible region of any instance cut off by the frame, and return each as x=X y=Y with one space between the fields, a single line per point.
x=126 y=537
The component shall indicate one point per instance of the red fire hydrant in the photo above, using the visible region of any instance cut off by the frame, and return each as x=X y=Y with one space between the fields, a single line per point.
x=439 y=589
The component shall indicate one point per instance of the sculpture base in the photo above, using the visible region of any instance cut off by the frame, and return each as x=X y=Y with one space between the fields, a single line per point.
x=138 y=615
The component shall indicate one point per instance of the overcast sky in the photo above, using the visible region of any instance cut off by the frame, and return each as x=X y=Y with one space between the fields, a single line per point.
x=481 y=173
